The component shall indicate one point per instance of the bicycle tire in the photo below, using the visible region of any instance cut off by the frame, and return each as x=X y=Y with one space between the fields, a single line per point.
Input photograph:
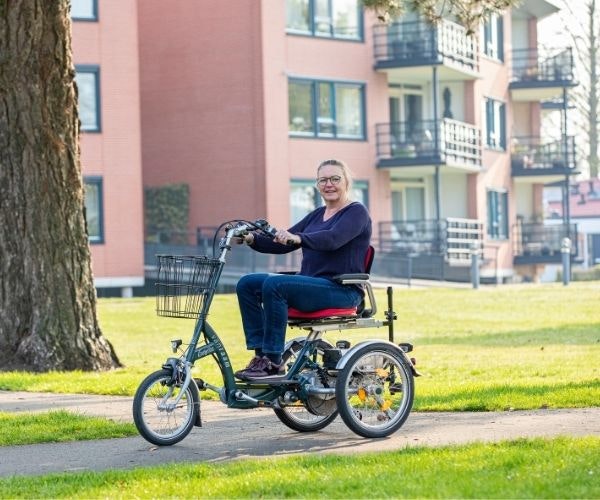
x=159 y=426
x=297 y=416
x=375 y=390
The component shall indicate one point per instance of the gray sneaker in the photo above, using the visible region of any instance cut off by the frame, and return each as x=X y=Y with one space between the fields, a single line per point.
x=240 y=373
x=263 y=368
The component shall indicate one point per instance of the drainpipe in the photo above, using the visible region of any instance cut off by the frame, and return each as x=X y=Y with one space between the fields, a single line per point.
x=436 y=141
x=566 y=194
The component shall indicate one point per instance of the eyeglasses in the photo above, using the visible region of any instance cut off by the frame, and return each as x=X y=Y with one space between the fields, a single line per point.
x=334 y=179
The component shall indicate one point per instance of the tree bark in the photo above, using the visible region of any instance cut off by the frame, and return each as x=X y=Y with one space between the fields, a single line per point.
x=47 y=297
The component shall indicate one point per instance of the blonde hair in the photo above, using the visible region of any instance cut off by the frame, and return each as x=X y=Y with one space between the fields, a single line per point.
x=346 y=172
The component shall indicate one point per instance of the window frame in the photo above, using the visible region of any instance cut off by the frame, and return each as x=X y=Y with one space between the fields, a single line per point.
x=315 y=84
x=94 y=70
x=492 y=37
x=494 y=114
x=98 y=182
x=497 y=220
x=312 y=31
x=357 y=185
x=93 y=19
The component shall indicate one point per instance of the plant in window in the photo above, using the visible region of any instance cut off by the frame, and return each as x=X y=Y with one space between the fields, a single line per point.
x=166 y=213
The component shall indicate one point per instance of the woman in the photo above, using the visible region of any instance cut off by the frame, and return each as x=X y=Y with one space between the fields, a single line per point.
x=334 y=239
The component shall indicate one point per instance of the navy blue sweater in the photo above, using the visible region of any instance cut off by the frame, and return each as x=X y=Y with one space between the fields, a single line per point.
x=335 y=246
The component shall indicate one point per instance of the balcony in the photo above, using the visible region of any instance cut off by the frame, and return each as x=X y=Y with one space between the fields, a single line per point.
x=420 y=45
x=424 y=143
x=539 y=74
x=536 y=160
x=536 y=243
x=451 y=237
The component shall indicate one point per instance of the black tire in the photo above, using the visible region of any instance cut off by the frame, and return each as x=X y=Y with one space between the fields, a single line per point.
x=375 y=390
x=297 y=416
x=164 y=426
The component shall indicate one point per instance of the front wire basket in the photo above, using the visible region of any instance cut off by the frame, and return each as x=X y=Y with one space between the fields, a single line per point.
x=184 y=283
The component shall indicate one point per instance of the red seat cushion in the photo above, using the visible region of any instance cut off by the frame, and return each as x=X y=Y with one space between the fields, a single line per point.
x=321 y=313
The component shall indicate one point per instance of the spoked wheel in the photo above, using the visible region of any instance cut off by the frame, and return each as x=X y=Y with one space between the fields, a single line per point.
x=319 y=411
x=156 y=416
x=375 y=390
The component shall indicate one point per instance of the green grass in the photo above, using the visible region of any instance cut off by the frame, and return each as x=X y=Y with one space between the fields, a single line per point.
x=536 y=468
x=57 y=426
x=520 y=347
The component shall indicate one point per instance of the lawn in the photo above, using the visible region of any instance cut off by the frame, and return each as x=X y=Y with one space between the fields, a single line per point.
x=58 y=426
x=536 y=468
x=519 y=347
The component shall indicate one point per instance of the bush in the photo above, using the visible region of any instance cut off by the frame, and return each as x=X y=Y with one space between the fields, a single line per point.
x=591 y=274
x=166 y=213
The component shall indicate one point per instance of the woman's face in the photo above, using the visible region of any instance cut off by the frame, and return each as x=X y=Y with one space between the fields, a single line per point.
x=331 y=183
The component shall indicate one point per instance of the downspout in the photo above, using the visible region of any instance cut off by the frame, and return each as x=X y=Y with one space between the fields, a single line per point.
x=436 y=141
x=566 y=194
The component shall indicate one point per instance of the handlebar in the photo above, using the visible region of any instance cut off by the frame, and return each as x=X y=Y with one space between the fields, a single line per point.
x=240 y=228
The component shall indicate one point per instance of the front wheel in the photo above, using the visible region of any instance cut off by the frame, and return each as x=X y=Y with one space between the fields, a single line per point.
x=156 y=417
x=375 y=390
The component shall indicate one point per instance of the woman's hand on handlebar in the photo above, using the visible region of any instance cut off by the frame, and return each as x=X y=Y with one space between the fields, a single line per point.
x=286 y=238
x=248 y=239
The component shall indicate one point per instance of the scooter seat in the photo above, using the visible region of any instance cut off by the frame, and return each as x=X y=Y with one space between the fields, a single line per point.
x=321 y=313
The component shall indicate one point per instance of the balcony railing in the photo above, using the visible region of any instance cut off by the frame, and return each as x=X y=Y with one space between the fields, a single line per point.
x=420 y=43
x=542 y=67
x=451 y=237
x=414 y=143
x=533 y=156
x=536 y=243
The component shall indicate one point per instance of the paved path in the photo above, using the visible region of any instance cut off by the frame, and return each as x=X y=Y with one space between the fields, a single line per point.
x=232 y=434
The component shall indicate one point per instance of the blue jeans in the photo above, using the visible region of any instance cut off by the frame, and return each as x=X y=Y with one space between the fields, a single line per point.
x=264 y=300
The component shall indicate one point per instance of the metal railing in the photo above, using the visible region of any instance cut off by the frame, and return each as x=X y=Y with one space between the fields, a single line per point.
x=543 y=65
x=452 y=237
x=414 y=142
x=535 y=155
x=537 y=240
x=419 y=42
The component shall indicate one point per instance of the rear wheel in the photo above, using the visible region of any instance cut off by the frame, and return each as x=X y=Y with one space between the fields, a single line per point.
x=375 y=390
x=158 y=419
x=319 y=411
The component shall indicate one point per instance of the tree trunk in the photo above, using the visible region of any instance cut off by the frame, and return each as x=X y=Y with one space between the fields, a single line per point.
x=47 y=297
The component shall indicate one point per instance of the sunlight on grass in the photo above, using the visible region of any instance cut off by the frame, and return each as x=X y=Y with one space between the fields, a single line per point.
x=535 y=468
x=521 y=347
x=57 y=426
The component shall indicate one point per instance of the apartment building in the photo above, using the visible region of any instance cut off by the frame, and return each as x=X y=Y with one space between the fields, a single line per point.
x=105 y=49
x=241 y=99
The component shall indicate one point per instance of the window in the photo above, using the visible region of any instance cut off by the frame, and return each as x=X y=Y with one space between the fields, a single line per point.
x=497 y=205
x=408 y=201
x=305 y=197
x=326 y=109
x=494 y=119
x=94 y=209
x=492 y=37
x=84 y=10
x=340 y=19
x=88 y=85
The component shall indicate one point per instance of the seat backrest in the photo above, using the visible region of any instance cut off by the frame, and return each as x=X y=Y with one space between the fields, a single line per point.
x=369 y=256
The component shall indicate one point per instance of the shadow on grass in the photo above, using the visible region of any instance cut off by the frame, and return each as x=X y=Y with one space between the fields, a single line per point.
x=505 y=397
x=563 y=334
